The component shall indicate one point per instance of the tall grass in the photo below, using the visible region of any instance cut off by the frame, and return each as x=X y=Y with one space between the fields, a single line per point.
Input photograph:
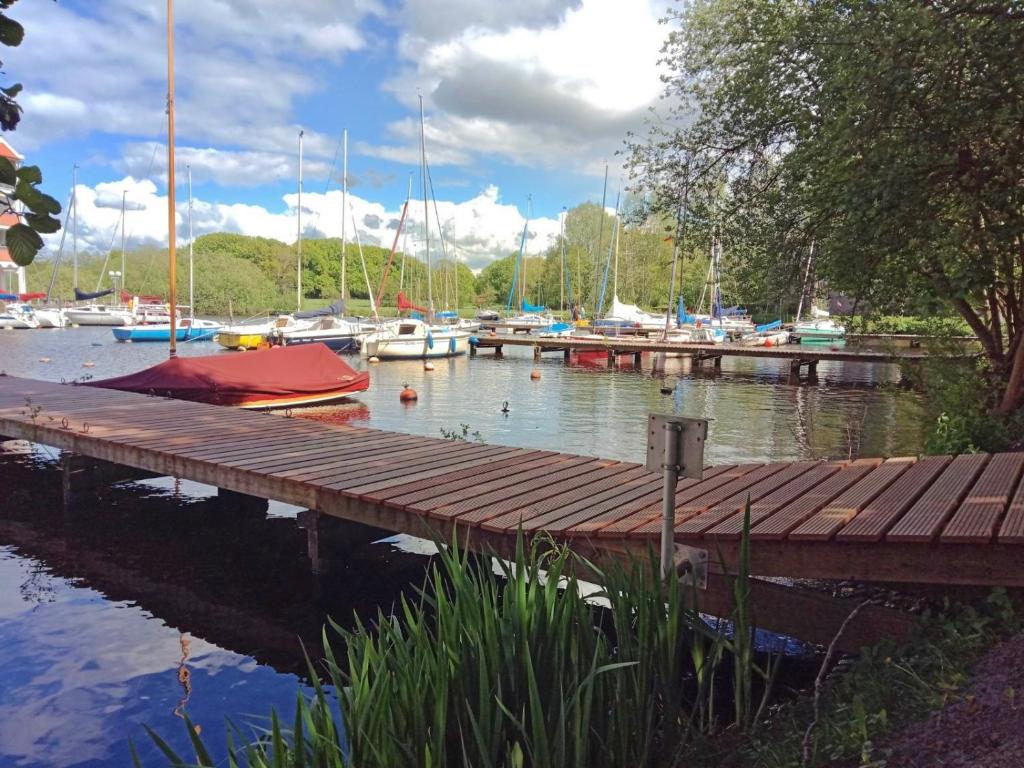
x=501 y=664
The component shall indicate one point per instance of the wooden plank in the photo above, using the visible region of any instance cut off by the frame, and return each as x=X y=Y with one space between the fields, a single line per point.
x=410 y=500
x=711 y=516
x=524 y=514
x=393 y=493
x=441 y=475
x=470 y=498
x=614 y=524
x=1012 y=529
x=380 y=459
x=328 y=449
x=395 y=463
x=978 y=517
x=924 y=520
x=584 y=476
x=732 y=527
x=587 y=508
x=793 y=514
x=871 y=523
x=646 y=523
x=823 y=525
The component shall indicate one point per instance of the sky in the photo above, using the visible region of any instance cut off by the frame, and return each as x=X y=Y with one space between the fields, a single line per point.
x=525 y=102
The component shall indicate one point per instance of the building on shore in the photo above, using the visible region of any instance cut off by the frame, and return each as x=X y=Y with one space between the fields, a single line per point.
x=12 y=277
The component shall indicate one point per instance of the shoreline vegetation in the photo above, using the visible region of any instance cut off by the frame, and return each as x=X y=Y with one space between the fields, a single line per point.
x=517 y=664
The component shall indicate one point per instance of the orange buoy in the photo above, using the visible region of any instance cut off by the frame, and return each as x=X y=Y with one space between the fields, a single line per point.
x=535 y=375
x=494 y=332
x=408 y=394
x=768 y=343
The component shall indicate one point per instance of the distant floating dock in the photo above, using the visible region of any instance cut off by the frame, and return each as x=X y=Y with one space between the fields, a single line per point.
x=799 y=356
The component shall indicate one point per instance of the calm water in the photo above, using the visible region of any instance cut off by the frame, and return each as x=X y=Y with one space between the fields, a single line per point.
x=97 y=610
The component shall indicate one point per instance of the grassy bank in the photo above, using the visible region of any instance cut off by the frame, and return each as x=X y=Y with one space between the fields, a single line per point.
x=508 y=665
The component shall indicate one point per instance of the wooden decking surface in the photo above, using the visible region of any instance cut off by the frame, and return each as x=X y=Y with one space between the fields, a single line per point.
x=937 y=519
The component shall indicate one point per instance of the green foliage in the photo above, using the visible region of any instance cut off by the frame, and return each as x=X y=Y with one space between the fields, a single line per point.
x=462 y=433
x=883 y=689
x=510 y=664
x=39 y=216
x=919 y=326
x=884 y=135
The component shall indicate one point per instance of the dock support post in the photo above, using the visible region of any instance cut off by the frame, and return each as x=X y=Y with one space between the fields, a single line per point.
x=611 y=358
x=498 y=351
x=812 y=370
x=78 y=483
x=638 y=359
x=718 y=362
x=310 y=520
x=794 y=369
x=536 y=352
x=566 y=354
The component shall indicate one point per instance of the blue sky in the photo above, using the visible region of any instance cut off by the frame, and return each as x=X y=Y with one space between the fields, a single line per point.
x=526 y=98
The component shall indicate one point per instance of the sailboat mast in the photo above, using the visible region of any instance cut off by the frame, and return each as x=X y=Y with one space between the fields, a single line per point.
x=676 y=245
x=426 y=211
x=191 y=282
x=298 y=211
x=803 y=287
x=172 y=256
x=600 y=239
x=74 y=219
x=561 y=281
x=526 y=229
x=405 y=239
x=615 y=272
x=124 y=200
x=344 y=204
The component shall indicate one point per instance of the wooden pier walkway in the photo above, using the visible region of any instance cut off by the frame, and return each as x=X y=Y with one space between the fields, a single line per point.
x=797 y=355
x=939 y=520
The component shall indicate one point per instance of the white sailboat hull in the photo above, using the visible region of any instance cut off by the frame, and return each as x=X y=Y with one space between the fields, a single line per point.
x=415 y=341
x=50 y=318
x=99 y=315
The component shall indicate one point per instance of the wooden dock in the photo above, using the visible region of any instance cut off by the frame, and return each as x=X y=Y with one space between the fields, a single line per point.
x=936 y=521
x=798 y=356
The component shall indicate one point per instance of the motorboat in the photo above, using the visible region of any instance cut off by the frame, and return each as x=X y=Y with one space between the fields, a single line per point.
x=186 y=329
x=252 y=335
x=411 y=339
x=767 y=335
x=337 y=333
x=50 y=317
x=557 y=331
x=820 y=328
x=20 y=316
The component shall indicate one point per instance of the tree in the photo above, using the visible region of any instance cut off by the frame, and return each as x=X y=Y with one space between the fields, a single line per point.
x=890 y=135
x=21 y=185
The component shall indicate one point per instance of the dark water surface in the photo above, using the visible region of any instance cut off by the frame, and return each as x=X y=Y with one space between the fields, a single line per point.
x=98 y=608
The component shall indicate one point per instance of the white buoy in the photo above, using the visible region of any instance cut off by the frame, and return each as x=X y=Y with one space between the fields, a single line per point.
x=88 y=364
x=428 y=366
x=44 y=359
x=374 y=359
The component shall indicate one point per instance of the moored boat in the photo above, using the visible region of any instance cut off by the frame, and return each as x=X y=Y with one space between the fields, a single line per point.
x=99 y=314
x=412 y=339
x=279 y=377
x=338 y=334
x=187 y=329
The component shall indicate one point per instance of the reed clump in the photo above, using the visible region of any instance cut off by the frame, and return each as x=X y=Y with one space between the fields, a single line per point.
x=518 y=663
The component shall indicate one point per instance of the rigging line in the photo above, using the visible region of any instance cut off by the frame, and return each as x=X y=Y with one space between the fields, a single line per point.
x=437 y=218
x=327 y=181
x=106 y=259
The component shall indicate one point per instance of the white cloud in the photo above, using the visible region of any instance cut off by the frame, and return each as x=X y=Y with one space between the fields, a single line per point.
x=482 y=228
x=241 y=66
x=560 y=92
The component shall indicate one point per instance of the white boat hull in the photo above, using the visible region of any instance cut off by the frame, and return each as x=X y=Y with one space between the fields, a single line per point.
x=415 y=341
x=98 y=316
x=50 y=318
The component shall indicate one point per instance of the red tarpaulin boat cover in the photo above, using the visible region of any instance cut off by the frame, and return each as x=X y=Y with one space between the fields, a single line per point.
x=281 y=376
x=31 y=296
x=404 y=303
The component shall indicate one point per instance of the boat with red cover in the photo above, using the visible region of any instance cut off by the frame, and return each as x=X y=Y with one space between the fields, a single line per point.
x=278 y=377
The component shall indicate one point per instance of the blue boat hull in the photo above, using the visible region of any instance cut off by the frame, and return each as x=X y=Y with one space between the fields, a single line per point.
x=141 y=333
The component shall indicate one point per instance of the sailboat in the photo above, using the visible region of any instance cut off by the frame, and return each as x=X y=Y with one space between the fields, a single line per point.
x=412 y=338
x=190 y=328
x=820 y=328
x=278 y=377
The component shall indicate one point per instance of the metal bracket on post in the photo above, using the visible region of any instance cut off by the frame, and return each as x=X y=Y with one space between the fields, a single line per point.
x=675 y=447
x=691 y=565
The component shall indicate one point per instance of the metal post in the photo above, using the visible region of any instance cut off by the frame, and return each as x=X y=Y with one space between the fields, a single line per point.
x=298 y=279
x=668 y=499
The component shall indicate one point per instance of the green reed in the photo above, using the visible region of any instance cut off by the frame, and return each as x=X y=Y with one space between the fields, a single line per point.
x=500 y=664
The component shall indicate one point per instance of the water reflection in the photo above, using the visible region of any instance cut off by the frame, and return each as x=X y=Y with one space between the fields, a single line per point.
x=154 y=604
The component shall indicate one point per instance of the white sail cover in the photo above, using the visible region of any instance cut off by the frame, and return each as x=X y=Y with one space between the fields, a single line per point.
x=630 y=313
x=815 y=312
